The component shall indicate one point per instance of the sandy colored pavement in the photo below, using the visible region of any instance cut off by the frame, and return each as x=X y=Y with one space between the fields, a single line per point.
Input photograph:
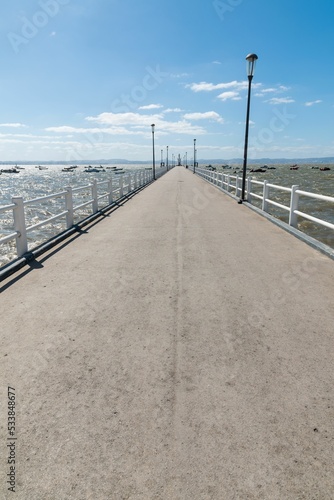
x=181 y=348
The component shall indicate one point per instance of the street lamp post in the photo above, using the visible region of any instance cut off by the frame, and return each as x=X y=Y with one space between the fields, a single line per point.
x=167 y=159
x=194 y=154
x=153 y=150
x=251 y=59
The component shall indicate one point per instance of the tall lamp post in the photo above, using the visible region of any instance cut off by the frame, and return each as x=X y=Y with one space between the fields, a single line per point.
x=167 y=159
x=251 y=59
x=153 y=150
x=194 y=154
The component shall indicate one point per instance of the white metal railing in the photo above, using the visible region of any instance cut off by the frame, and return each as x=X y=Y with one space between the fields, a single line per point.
x=100 y=195
x=232 y=184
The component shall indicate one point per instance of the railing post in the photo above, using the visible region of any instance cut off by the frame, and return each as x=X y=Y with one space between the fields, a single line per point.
x=69 y=207
x=94 y=197
x=237 y=188
x=265 y=196
x=228 y=183
x=20 y=226
x=110 y=193
x=121 y=186
x=249 y=189
x=294 y=200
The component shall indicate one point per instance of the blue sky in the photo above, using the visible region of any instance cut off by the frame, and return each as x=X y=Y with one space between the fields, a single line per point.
x=84 y=79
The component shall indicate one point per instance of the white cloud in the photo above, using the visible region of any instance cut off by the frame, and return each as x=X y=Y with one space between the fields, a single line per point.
x=125 y=119
x=278 y=90
x=208 y=115
x=311 y=103
x=151 y=106
x=173 y=110
x=96 y=130
x=208 y=87
x=234 y=96
x=280 y=100
x=14 y=125
x=264 y=91
x=131 y=123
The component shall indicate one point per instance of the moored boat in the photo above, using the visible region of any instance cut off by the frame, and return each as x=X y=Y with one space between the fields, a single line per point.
x=12 y=170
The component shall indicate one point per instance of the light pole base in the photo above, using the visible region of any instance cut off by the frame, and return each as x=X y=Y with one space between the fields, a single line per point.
x=240 y=202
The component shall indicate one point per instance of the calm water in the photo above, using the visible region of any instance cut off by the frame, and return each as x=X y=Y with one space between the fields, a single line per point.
x=31 y=183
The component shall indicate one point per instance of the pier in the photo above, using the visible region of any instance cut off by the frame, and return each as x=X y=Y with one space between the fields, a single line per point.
x=181 y=347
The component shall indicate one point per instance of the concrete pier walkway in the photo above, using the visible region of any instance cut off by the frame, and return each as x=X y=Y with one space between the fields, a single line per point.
x=182 y=348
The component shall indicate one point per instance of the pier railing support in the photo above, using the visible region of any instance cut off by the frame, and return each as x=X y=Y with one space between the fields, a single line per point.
x=110 y=193
x=249 y=189
x=294 y=200
x=265 y=196
x=20 y=226
x=121 y=186
x=94 y=197
x=69 y=207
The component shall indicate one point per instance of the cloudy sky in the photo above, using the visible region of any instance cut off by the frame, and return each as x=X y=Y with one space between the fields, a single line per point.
x=85 y=79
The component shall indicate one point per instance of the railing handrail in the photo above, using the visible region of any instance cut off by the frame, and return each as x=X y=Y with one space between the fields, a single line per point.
x=44 y=198
x=292 y=208
x=126 y=183
x=316 y=196
x=4 y=208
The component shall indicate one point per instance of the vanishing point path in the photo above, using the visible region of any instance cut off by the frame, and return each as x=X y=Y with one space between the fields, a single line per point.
x=181 y=348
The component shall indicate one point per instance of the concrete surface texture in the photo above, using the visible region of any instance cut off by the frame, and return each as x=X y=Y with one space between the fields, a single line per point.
x=181 y=348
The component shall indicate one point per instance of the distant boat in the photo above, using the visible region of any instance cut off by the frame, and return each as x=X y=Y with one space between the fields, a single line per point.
x=11 y=170
x=91 y=169
x=324 y=168
x=258 y=170
x=294 y=167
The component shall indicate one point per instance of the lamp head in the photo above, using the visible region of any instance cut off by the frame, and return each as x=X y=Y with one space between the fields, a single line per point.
x=251 y=59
